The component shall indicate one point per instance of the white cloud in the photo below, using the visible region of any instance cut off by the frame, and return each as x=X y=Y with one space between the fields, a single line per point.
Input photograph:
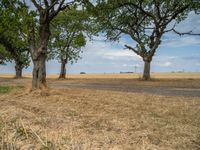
x=164 y=61
x=197 y=64
x=133 y=65
x=181 y=42
x=106 y=50
x=192 y=23
x=120 y=54
x=124 y=65
x=166 y=64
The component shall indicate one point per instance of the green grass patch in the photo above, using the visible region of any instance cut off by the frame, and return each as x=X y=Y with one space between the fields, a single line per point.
x=5 y=89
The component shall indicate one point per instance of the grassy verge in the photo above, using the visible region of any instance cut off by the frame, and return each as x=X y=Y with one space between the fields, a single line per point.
x=5 y=89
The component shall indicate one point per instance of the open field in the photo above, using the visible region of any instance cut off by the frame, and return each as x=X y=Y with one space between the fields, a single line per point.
x=168 y=84
x=122 y=76
x=113 y=112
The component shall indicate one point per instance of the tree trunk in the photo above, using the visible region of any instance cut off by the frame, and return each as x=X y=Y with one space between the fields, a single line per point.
x=39 y=59
x=63 y=70
x=146 y=73
x=39 y=73
x=18 y=69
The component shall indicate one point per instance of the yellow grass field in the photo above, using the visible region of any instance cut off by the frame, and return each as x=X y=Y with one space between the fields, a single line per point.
x=124 y=76
x=102 y=112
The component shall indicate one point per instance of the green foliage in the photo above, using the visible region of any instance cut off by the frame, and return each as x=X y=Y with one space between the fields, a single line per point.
x=68 y=35
x=144 y=22
x=4 y=55
x=13 y=32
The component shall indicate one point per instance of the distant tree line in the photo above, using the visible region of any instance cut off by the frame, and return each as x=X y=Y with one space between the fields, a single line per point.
x=59 y=29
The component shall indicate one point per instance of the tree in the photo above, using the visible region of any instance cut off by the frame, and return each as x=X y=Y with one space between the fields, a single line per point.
x=145 y=21
x=20 y=55
x=67 y=37
x=47 y=10
x=11 y=28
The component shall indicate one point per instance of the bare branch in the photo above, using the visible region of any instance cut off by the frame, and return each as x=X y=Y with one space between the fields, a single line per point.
x=39 y=7
x=52 y=5
x=61 y=7
x=185 y=33
x=130 y=48
x=169 y=30
x=174 y=16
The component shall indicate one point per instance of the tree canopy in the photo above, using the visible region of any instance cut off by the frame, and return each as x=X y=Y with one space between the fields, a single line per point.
x=4 y=55
x=12 y=38
x=144 y=21
x=68 y=34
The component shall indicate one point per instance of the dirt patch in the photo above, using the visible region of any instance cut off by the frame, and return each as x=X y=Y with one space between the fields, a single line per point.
x=166 y=91
x=165 y=87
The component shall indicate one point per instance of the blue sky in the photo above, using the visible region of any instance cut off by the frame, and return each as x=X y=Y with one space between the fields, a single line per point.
x=174 y=54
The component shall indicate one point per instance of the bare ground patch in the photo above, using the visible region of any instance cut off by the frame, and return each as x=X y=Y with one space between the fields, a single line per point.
x=167 y=87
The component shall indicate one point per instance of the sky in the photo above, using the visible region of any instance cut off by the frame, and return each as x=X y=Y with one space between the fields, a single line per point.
x=99 y=56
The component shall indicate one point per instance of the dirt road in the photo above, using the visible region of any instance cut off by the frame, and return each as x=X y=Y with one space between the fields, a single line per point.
x=166 y=87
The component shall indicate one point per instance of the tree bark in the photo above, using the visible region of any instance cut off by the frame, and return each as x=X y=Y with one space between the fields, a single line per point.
x=39 y=73
x=147 y=64
x=39 y=59
x=18 y=69
x=63 y=70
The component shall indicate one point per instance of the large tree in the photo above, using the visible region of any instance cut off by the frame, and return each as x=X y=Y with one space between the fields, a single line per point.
x=47 y=11
x=144 y=21
x=67 y=37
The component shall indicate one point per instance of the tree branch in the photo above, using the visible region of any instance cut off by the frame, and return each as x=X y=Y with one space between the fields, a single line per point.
x=60 y=8
x=174 y=16
x=52 y=5
x=130 y=48
x=138 y=6
x=46 y=3
x=170 y=29
x=37 y=5
x=185 y=33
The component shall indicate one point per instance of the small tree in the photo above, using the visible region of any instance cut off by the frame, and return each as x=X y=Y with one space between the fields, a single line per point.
x=19 y=55
x=145 y=22
x=68 y=37
x=15 y=47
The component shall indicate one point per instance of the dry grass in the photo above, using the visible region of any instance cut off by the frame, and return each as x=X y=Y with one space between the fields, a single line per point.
x=83 y=119
x=134 y=76
x=91 y=119
x=120 y=76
